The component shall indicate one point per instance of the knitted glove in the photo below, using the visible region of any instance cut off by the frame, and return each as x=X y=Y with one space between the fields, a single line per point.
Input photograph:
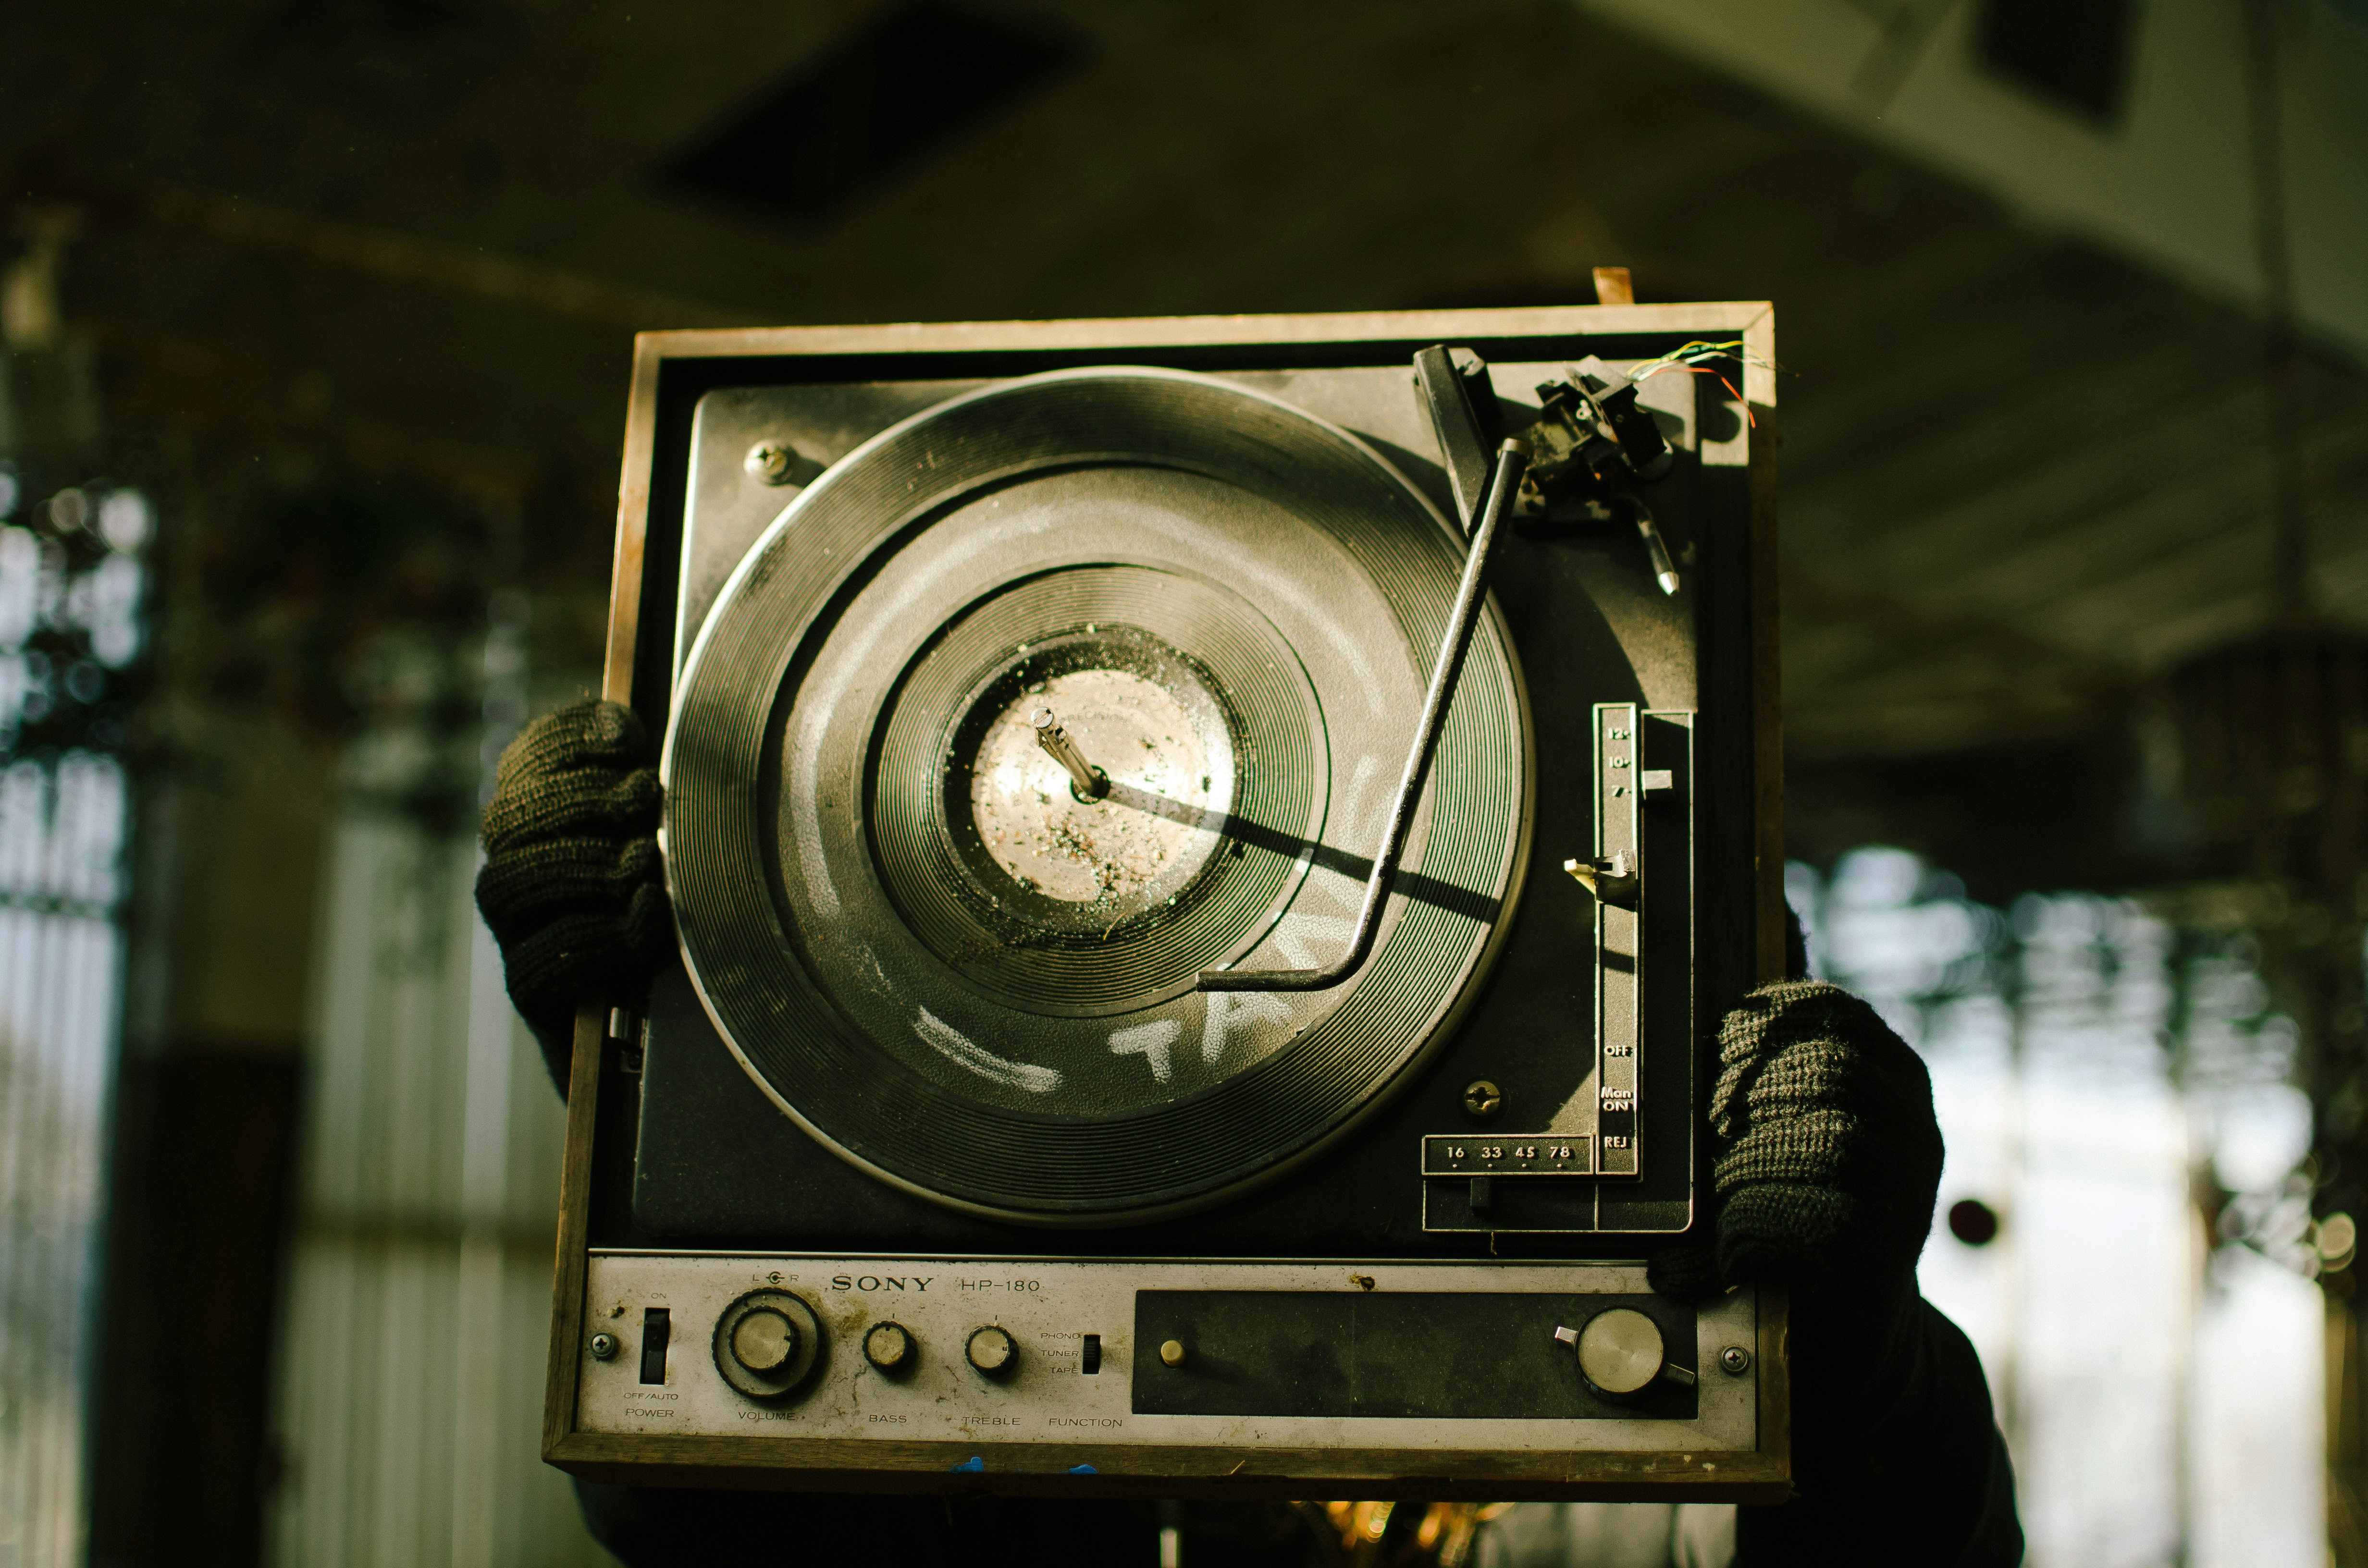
x=572 y=887
x=1828 y=1163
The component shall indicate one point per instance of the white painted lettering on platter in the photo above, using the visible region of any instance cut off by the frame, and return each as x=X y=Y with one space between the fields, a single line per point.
x=978 y=1058
x=1149 y=1041
x=1229 y=1010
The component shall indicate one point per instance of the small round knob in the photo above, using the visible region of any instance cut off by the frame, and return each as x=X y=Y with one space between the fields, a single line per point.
x=888 y=1346
x=1620 y=1352
x=764 y=1340
x=991 y=1350
x=1172 y=1353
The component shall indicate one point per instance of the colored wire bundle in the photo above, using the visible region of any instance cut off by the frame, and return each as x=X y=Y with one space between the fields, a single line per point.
x=1697 y=357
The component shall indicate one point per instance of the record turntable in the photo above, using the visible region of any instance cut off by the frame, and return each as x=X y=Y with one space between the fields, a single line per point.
x=1207 y=856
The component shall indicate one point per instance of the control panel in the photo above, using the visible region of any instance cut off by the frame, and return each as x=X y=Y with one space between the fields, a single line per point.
x=969 y=1357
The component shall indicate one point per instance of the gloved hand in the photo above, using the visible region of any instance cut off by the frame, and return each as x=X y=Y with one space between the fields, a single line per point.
x=1827 y=1165
x=572 y=885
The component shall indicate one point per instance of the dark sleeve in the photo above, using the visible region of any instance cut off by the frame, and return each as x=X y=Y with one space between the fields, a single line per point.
x=1922 y=1479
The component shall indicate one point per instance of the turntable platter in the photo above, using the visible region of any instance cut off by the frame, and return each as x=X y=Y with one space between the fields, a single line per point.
x=968 y=965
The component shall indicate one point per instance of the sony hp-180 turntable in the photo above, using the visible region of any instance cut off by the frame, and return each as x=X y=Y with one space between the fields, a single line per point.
x=1207 y=856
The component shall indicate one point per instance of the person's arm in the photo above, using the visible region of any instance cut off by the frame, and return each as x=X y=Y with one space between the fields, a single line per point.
x=1828 y=1161
x=572 y=887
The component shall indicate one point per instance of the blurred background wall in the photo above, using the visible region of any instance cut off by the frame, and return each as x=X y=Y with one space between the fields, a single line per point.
x=314 y=327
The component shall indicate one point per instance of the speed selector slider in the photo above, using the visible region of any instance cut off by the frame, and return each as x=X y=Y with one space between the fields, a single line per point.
x=1621 y=1353
x=1612 y=877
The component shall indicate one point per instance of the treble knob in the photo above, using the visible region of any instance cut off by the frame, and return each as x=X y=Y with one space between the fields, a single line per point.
x=992 y=1350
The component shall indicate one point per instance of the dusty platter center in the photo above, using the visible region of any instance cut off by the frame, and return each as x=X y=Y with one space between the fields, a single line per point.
x=1161 y=753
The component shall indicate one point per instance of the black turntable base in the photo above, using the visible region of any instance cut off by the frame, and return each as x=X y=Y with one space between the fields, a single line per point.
x=1059 y=699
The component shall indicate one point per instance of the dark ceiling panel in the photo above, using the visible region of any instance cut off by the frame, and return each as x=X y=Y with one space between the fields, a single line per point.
x=2075 y=54
x=908 y=83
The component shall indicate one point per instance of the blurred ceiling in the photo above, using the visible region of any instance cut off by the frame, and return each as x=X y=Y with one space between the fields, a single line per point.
x=2020 y=476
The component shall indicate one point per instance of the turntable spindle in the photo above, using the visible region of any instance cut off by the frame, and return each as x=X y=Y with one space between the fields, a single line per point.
x=1091 y=782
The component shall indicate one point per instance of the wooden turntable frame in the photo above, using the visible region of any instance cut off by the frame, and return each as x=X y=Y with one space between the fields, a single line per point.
x=670 y=370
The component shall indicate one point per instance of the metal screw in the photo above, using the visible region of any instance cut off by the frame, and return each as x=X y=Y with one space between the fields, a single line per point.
x=1481 y=1097
x=1735 y=1360
x=771 y=461
x=604 y=1346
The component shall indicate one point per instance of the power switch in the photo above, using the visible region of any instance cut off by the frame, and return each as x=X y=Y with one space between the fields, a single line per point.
x=657 y=1327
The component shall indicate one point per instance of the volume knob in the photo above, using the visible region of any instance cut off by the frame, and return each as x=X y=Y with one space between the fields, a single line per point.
x=764 y=1340
x=767 y=1343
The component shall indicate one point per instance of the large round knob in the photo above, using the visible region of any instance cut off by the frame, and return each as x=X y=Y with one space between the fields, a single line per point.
x=764 y=1340
x=767 y=1343
x=889 y=1346
x=1620 y=1352
x=992 y=1350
